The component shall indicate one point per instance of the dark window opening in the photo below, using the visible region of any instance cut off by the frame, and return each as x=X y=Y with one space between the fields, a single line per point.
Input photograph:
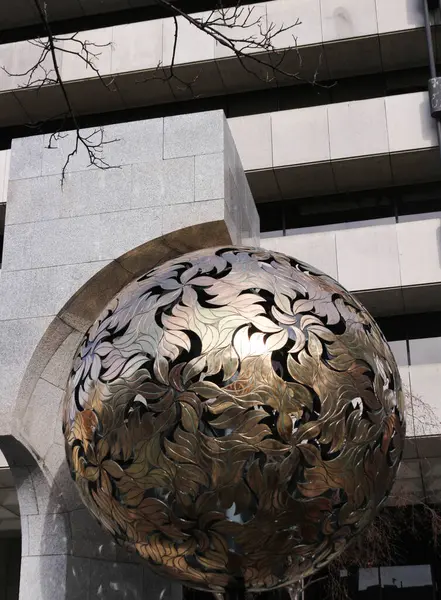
x=393 y=202
x=410 y=327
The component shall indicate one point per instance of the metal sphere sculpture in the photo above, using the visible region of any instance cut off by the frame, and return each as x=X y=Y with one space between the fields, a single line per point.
x=236 y=417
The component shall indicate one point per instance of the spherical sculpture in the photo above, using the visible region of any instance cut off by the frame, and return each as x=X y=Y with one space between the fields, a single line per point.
x=236 y=417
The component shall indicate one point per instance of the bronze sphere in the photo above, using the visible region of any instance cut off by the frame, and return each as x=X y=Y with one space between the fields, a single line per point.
x=236 y=417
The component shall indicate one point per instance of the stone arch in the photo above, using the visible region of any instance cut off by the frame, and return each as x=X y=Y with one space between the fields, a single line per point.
x=73 y=557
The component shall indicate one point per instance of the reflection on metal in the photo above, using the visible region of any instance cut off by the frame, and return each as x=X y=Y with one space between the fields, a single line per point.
x=235 y=417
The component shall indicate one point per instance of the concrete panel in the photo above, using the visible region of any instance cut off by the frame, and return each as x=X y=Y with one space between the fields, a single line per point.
x=255 y=23
x=419 y=244
x=399 y=15
x=316 y=249
x=306 y=13
x=252 y=136
x=425 y=383
x=19 y=58
x=300 y=136
x=426 y=351
x=366 y=122
x=193 y=45
x=97 y=44
x=368 y=257
x=342 y=19
x=399 y=349
x=137 y=46
x=420 y=129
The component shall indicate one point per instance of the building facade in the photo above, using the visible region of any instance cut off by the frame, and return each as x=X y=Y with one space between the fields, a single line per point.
x=339 y=166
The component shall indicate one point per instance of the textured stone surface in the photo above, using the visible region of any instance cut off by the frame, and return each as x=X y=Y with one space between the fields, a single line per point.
x=18 y=340
x=209 y=176
x=43 y=578
x=67 y=252
x=159 y=184
x=111 y=581
x=49 y=534
x=26 y=158
x=39 y=424
x=84 y=528
x=188 y=135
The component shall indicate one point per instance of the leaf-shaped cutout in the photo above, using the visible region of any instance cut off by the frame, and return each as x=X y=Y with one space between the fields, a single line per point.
x=189 y=417
x=310 y=453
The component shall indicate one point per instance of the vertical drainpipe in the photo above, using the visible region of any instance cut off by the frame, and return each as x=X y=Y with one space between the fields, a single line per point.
x=434 y=85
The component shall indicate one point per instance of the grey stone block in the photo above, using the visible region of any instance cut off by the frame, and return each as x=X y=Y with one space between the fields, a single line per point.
x=193 y=134
x=24 y=525
x=143 y=258
x=65 y=241
x=55 y=462
x=54 y=334
x=136 y=142
x=94 y=191
x=77 y=578
x=165 y=182
x=18 y=340
x=33 y=199
x=48 y=494
x=87 y=303
x=112 y=581
x=17 y=247
x=44 y=291
x=49 y=534
x=25 y=491
x=210 y=176
x=159 y=588
x=55 y=152
x=26 y=157
x=119 y=232
x=43 y=578
x=185 y=215
x=58 y=368
x=39 y=421
x=89 y=539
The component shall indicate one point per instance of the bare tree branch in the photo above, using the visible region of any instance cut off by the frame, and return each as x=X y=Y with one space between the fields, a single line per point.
x=240 y=29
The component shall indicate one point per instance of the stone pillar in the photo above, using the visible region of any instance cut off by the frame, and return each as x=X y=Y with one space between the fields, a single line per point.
x=177 y=186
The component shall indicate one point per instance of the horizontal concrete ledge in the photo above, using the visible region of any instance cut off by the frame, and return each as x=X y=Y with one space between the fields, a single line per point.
x=309 y=151
x=341 y=176
x=381 y=263
x=402 y=300
x=22 y=13
x=377 y=36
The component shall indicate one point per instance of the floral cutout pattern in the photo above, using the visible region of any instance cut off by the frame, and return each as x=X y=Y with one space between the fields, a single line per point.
x=235 y=417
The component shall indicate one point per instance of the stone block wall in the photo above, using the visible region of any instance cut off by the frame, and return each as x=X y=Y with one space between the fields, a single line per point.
x=175 y=185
